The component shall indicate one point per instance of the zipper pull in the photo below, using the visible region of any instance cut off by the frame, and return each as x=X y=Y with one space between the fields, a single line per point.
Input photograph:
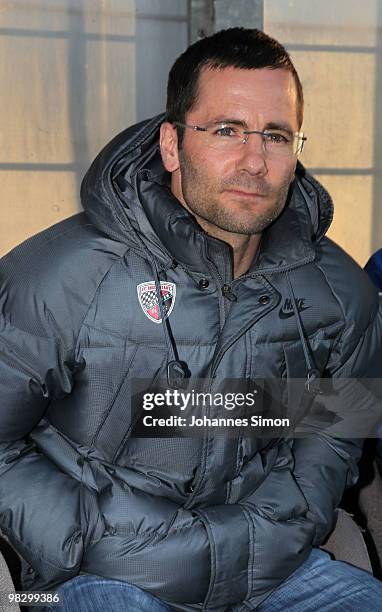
x=312 y=383
x=227 y=293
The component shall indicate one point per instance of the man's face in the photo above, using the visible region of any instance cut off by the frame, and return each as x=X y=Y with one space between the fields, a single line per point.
x=244 y=189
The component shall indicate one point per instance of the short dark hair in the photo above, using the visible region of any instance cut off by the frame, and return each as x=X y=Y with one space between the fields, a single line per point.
x=234 y=47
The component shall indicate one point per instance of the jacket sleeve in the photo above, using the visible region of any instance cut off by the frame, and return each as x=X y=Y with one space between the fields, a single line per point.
x=294 y=508
x=35 y=366
x=326 y=463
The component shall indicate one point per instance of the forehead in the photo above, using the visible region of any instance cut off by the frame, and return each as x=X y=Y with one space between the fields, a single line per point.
x=260 y=94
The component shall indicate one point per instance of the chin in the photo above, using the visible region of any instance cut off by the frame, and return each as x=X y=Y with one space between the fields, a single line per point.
x=245 y=226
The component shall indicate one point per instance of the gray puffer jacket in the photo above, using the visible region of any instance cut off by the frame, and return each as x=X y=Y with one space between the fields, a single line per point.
x=204 y=523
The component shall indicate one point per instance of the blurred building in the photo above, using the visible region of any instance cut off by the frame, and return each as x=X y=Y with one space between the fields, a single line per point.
x=76 y=72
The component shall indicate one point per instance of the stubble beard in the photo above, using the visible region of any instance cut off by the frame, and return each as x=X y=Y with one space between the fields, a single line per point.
x=202 y=199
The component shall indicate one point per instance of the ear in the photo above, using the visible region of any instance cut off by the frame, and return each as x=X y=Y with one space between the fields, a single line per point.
x=168 y=142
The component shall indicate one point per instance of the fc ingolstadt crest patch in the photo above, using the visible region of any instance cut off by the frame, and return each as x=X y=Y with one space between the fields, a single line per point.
x=149 y=302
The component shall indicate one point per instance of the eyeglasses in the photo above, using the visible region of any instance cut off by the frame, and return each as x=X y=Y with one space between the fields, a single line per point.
x=226 y=136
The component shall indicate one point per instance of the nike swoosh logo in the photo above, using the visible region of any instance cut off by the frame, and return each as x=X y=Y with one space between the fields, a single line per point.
x=288 y=314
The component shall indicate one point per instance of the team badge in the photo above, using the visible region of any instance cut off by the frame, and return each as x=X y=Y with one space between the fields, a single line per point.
x=148 y=300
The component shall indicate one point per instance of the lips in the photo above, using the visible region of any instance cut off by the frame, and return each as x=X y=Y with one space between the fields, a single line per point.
x=247 y=194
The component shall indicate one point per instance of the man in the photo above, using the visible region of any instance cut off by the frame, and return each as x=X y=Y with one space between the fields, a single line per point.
x=374 y=269
x=201 y=252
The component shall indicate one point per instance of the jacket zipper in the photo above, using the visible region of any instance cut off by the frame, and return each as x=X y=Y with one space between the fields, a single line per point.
x=224 y=293
x=198 y=483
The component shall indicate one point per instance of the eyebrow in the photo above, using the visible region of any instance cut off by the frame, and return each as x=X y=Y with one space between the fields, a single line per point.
x=283 y=127
x=271 y=125
x=232 y=121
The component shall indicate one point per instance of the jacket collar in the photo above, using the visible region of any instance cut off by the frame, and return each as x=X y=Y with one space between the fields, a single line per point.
x=126 y=194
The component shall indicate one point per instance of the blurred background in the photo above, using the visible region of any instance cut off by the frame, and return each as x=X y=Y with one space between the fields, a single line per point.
x=76 y=72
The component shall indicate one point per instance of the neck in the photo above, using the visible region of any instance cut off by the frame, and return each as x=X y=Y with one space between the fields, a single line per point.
x=244 y=246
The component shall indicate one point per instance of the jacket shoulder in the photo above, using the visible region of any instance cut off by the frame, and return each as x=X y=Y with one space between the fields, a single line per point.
x=65 y=241
x=59 y=270
x=349 y=284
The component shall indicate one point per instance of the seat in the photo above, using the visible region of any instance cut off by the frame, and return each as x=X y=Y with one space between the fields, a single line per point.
x=346 y=543
x=6 y=586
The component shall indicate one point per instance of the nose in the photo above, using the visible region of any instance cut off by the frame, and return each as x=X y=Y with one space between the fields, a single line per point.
x=252 y=155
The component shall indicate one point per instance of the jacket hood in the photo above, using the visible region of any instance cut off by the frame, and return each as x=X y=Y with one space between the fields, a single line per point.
x=126 y=194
